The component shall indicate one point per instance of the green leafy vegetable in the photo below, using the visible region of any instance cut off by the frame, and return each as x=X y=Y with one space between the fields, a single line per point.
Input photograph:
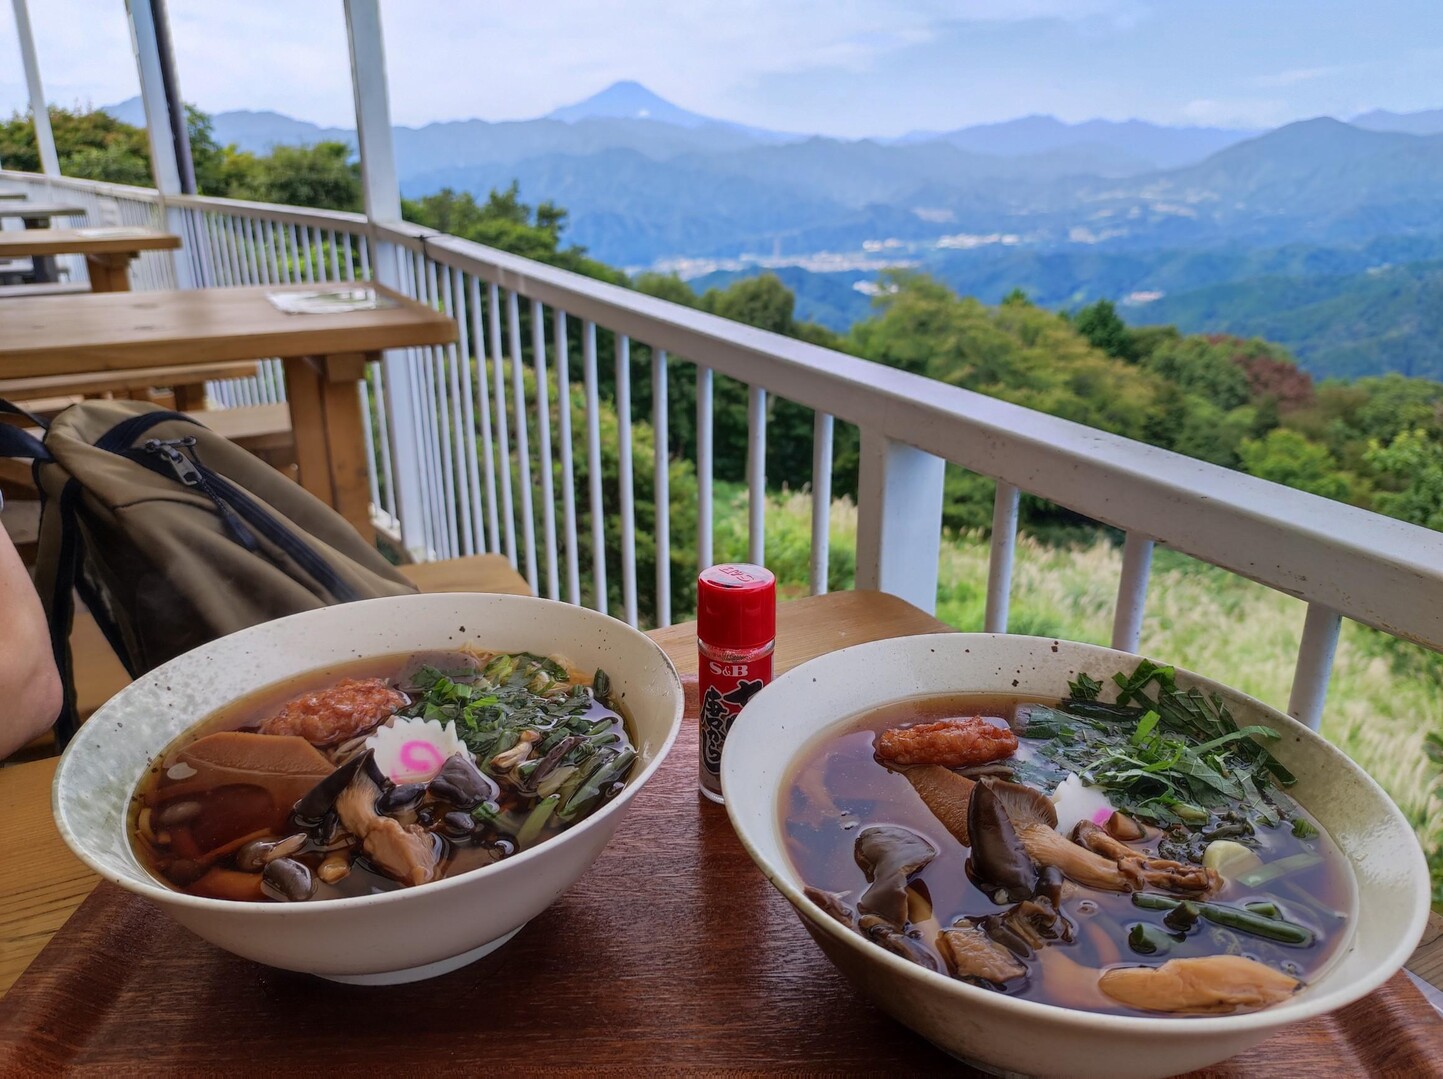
x=1174 y=757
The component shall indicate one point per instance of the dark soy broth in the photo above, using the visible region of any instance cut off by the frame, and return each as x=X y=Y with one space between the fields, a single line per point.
x=181 y=833
x=839 y=788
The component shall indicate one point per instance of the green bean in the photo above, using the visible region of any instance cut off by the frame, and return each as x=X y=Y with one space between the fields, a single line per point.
x=1263 y=909
x=1281 y=868
x=1147 y=939
x=536 y=821
x=1233 y=917
x=1182 y=917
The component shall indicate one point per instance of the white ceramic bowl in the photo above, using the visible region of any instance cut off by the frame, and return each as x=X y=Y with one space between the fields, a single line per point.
x=1012 y=1035
x=377 y=939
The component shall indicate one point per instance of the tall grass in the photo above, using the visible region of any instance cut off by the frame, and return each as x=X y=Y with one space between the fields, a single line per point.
x=1385 y=695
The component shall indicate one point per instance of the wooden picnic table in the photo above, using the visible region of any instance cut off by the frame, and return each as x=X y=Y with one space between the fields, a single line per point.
x=37 y=215
x=672 y=953
x=325 y=358
x=107 y=250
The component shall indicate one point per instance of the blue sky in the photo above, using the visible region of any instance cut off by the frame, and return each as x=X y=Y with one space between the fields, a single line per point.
x=840 y=67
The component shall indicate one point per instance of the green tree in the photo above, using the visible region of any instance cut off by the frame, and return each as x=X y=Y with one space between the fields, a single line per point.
x=1285 y=456
x=1105 y=330
x=322 y=175
x=1412 y=464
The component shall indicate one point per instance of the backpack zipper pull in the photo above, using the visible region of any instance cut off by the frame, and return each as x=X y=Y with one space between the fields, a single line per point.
x=189 y=474
x=180 y=464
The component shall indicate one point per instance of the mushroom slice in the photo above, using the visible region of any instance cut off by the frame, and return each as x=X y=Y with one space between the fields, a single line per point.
x=971 y=953
x=832 y=903
x=406 y=853
x=947 y=795
x=880 y=931
x=1210 y=985
x=1142 y=870
x=889 y=855
x=999 y=864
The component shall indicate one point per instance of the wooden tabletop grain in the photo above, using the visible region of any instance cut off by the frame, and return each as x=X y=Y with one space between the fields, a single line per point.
x=21 y=243
x=116 y=331
x=680 y=957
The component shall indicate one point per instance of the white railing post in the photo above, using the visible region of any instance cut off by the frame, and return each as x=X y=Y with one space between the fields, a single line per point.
x=899 y=520
x=382 y=196
x=44 y=137
x=1315 y=665
x=145 y=39
x=1132 y=592
x=1004 y=550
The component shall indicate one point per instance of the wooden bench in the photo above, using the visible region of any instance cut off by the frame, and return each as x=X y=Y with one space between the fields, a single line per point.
x=101 y=383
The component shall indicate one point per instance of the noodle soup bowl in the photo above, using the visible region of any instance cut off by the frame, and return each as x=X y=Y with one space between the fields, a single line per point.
x=395 y=936
x=1007 y=1034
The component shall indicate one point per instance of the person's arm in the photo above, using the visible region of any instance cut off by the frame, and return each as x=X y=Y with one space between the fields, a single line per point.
x=29 y=686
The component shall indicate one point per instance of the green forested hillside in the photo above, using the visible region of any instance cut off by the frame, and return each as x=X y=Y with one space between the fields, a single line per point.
x=1387 y=318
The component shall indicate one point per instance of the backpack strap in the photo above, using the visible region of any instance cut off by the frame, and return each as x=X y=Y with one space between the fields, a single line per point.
x=17 y=443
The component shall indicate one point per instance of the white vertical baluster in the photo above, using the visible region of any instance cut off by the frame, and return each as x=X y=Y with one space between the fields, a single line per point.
x=543 y=447
x=483 y=411
x=435 y=373
x=821 y=501
x=365 y=248
x=625 y=479
x=1132 y=592
x=508 y=506
x=424 y=418
x=593 y=462
x=370 y=437
x=661 y=487
x=243 y=253
x=523 y=444
x=456 y=437
x=227 y=246
x=346 y=257
x=318 y=252
x=756 y=475
x=301 y=263
x=475 y=508
x=268 y=233
x=568 y=475
x=1315 y=665
x=253 y=231
x=703 y=467
x=378 y=374
x=1004 y=544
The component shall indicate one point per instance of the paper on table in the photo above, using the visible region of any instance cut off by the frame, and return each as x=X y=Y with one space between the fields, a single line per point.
x=329 y=301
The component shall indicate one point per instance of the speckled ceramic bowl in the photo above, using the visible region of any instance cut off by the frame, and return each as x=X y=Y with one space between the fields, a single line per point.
x=397 y=936
x=1003 y=1033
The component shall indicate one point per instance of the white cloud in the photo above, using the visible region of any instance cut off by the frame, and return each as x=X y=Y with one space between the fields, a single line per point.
x=1248 y=112
x=1293 y=76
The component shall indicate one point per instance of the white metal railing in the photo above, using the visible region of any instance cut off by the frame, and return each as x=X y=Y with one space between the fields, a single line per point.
x=476 y=449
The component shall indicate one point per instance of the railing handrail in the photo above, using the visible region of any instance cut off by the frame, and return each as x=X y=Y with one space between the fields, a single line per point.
x=339 y=220
x=96 y=187
x=1374 y=569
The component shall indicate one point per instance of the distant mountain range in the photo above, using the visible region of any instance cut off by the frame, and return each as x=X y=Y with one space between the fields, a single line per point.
x=1178 y=223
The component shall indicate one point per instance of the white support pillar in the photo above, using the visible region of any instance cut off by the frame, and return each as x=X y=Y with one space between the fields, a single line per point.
x=44 y=137
x=899 y=520
x=145 y=41
x=382 y=200
x=1315 y=665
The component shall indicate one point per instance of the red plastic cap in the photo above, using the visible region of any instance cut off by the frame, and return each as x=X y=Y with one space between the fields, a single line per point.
x=736 y=606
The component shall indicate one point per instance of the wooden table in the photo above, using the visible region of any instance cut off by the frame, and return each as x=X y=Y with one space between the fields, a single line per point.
x=37 y=215
x=325 y=357
x=726 y=980
x=107 y=251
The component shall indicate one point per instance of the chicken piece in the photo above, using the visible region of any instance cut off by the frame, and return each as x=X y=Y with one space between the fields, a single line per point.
x=1210 y=985
x=971 y=953
x=949 y=743
x=406 y=853
x=339 y=712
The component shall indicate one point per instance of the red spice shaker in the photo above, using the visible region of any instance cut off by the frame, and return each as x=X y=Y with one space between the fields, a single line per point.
x=736 y=629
